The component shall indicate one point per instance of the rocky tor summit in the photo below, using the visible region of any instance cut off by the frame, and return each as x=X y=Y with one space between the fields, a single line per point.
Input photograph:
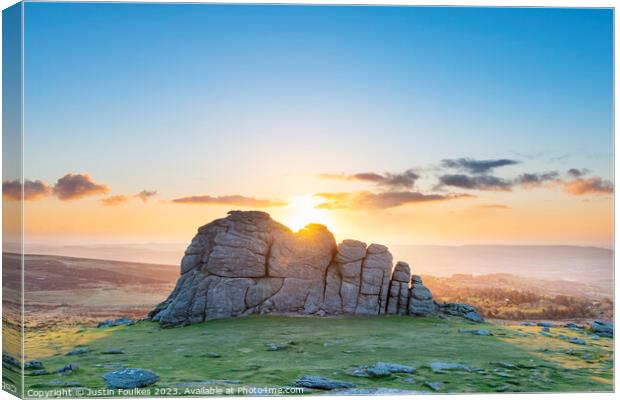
x=248 y=263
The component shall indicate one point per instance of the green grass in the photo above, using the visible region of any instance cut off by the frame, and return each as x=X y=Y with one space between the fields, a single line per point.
x=327 y=347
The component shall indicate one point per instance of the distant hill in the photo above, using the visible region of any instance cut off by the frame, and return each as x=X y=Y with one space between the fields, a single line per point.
x=571 y=263
x=589 y=265
x=69 y=290
x=153 y=253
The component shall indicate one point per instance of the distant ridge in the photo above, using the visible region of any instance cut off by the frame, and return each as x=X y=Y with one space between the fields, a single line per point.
x=565 y=262
x=593 y=265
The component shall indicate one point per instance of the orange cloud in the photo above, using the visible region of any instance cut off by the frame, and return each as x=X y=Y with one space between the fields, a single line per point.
x=233 y=200
x=377 y=201
x=114 y=200
x=393 y=180
x=494 y=206
x=582 y=186
x=145 y=195
x=77 y=186
x=33 y=190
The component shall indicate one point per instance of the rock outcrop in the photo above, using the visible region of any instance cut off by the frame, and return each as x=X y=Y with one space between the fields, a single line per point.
x=248 y=263
x=602 y=328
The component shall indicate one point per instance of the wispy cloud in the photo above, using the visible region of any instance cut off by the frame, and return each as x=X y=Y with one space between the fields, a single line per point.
x=145 y=195
x=233 y=200
x=76 y=186
x=585 y=186
x=33 y=190
x=474 y=166
x=577 y=183
x=574 y=182
x=477 y=182
x=532 y=180
x=494 y=206
x=577 y=173
x=114 y=200
x=376 y=201
x=404 y=180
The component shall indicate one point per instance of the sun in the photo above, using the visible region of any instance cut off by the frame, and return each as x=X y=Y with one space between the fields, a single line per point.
x=301 y=211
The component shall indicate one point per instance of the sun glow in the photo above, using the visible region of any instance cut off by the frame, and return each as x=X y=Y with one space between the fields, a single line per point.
x=301 y=211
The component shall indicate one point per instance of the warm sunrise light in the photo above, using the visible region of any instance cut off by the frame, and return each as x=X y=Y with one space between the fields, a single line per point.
x=301 y=211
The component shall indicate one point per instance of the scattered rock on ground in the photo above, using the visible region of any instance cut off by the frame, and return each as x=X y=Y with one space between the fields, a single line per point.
x=67 y=368
x=378 y=371
x=461 y=310
x=474 y=317
x=578 y=341
x=444 y=366
x=10 y=360
x=34 y=364
x=319 y=382
x=113 y=351
x=38 y=372
x=396 y=368
x=602 y=328
x=546 y=324
x=130 y=378
x=115 y=322
x=77 y=351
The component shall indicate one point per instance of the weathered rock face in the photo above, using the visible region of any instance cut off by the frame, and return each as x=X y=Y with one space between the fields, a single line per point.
x=421 y=300
x=248 y=263
x=343 y=280
x=398 y=302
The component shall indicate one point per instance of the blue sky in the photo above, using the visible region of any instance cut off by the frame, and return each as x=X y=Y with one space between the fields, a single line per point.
x=193 y=99
x=105 y=80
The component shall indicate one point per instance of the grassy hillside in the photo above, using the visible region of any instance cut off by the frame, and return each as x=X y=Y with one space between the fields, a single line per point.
x=516 y=358
x=67 y=290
